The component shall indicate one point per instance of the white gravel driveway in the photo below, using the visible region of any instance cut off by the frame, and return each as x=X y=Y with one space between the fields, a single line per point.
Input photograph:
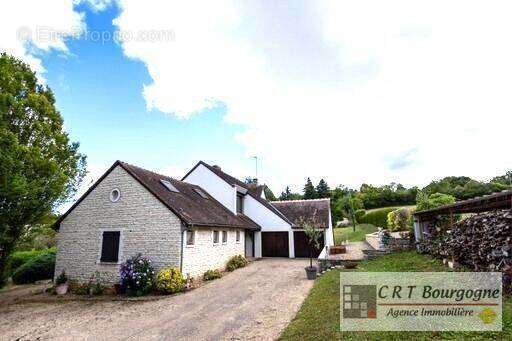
x=255 y=302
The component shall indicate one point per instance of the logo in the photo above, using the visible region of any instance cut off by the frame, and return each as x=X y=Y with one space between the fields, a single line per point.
x=487 y=315
x=360 y=301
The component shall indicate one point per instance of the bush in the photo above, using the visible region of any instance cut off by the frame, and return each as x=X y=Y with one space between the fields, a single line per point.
x=399 y=220
x=170 y=281
x=359 y=214
x=19 y=258
x=137 y=275
x=62 y=278
x=94 y=287
x=236 y=262
x=378 y=217
x=210 y=275
x=37 y=268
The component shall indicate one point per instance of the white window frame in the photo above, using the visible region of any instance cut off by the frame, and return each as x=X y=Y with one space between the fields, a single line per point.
x=224 y=233
x=193 y=238
x=218 y=237
x=237 y=236
x=111 y=197
x=119 y=252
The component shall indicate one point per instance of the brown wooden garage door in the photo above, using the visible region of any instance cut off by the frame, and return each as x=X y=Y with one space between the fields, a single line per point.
x=300 y=242
x=274 y=244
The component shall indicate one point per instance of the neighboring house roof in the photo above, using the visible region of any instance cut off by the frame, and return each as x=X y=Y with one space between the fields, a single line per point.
x=314 y=211
x=235 y=182
x=188 y=204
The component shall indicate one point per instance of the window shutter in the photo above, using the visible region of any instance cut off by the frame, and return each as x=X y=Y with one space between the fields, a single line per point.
x=110 y=246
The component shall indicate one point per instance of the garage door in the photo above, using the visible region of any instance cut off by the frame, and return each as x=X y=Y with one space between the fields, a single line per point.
x=274 y=244
x=300 y=242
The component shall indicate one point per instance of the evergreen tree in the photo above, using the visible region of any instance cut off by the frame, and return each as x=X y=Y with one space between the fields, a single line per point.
x=286 y=195
x=309 y=190
x=323 y=190
x=269 y=195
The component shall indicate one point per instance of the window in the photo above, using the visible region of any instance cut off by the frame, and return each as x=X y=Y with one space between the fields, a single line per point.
x=215 y=237
x=239 y=203
x=169 y=186
x=110 y=246
x=115 y=195
x=201 y=193
x=237 y=236
x=191 y=238
x=224 y=237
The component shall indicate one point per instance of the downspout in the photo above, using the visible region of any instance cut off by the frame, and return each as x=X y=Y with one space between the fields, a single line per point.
x=181 y=246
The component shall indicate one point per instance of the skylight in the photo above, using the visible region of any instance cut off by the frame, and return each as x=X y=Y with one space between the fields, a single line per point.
x=169 y=186
x=201 y=193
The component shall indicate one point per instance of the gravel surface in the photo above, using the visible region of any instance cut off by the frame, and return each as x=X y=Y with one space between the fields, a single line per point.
x=255 y=302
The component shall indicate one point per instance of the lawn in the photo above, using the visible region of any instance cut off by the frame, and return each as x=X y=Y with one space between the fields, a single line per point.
x=318 y=318
x=410 y=207
x=344 y=233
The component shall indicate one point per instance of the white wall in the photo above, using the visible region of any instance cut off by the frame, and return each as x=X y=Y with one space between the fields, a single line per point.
x=268 y=220
x=215 y=186
x=204 y=255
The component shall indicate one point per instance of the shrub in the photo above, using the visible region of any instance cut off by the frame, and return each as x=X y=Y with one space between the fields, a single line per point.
x=399 y=220
x=137 y=275
x=359 y=214
x=94 y=287
x=19 y=258
x=236 y=262
x=169 y=281
x=211 y=275
x=37 y=268
x=377 y=217
x=62 y=278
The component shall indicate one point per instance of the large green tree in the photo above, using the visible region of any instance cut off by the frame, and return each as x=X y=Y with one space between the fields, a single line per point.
x=309 y=190
x=39 y=166
x=323 y=190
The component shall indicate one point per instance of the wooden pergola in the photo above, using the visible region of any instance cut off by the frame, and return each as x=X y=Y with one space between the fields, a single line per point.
x=494 y=201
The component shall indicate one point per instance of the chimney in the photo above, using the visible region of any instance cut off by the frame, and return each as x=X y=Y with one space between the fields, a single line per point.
x=217 y=167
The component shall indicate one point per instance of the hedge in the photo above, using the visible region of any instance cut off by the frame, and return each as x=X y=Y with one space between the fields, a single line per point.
x=377 y=217
x=19 y=258
x=37 y=268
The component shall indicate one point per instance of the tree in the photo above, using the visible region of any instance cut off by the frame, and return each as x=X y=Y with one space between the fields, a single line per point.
x=323 y=190
x=313 y=233
x=289 y=195
x=269 y=195
x=309 y=190
x=427 y=202
x=39 y=166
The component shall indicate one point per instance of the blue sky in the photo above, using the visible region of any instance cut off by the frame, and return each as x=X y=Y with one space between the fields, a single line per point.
x=403 y=92
x=99 y=93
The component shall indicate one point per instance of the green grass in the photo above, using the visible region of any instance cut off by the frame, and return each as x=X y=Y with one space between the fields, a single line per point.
x=318 y=318
x=344 y=233
x=410 y=207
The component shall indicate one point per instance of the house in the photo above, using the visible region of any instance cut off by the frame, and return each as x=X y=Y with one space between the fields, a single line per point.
x=195 y=224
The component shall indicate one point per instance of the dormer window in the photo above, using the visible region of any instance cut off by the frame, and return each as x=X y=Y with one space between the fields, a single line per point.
x=239 y=203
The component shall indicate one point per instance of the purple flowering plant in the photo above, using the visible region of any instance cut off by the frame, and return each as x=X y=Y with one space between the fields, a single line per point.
x=137 y=276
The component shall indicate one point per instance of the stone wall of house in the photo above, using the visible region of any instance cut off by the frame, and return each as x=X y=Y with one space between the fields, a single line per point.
x=146 y=226
x=205 y=255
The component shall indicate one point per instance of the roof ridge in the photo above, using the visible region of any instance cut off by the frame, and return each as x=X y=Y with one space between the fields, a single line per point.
x=155 y=173
x=299 y=200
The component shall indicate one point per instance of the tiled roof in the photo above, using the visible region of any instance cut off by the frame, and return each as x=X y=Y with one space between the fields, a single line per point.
x=315 y=211
x=188 y=204
x=234 y=181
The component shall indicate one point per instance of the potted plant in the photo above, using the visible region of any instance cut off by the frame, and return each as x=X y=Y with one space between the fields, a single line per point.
x=313 y=235
x=61 y=283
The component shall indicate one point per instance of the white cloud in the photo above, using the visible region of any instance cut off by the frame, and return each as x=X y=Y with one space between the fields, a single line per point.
x=31 y=27
x=340 y=89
